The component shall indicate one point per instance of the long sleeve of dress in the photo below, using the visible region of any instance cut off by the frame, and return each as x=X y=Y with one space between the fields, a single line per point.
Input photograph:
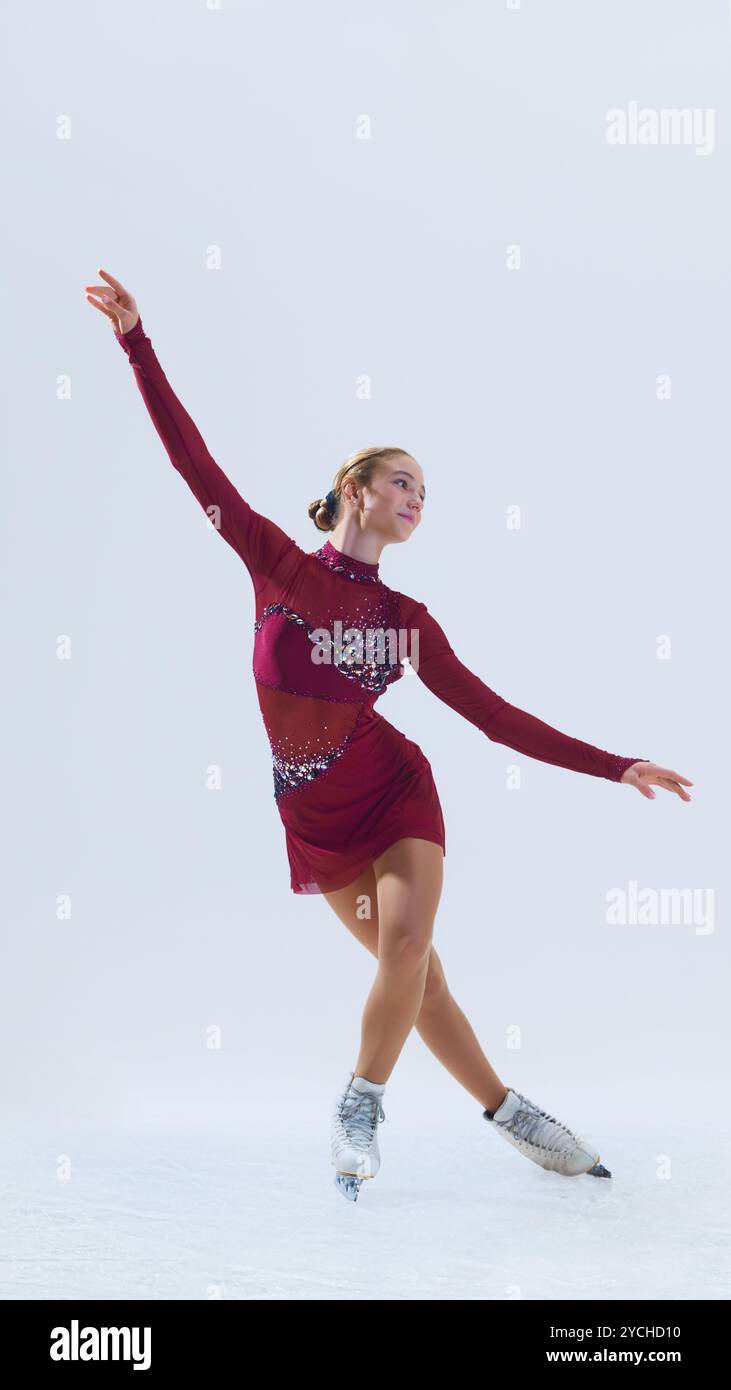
x=264 y=548
x=447 y=677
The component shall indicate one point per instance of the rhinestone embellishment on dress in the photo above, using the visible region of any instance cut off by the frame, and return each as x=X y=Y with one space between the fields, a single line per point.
x=279 y=608
x=338 y=564
x=356 y=658
x=291 y=773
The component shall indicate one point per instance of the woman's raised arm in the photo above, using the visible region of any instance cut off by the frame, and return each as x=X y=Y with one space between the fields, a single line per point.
x=267 y=551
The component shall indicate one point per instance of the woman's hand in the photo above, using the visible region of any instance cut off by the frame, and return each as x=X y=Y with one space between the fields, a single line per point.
x=644 y=775
x=118 y=305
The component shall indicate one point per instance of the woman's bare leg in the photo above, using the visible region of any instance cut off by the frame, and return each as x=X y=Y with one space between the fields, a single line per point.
x=440 y=1022
x=408 y=887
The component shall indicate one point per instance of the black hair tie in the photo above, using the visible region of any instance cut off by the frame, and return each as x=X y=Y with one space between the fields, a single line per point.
x=330 y=501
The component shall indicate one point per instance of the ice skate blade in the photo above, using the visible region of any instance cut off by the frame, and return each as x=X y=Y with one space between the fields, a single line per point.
x=349 y=1185
x=598 y=1171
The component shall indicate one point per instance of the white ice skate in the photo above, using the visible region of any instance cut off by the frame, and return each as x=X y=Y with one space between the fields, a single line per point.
x=543 y=1138
x=354 y=1134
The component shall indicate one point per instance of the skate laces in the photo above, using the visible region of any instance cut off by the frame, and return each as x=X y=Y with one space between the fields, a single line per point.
x=360 y=1113
x=537 y=1127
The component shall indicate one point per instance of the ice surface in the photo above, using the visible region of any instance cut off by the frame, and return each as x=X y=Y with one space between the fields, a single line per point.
x=461 y=1215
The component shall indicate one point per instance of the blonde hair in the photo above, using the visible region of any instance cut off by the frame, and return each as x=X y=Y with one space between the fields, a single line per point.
x=361 y=467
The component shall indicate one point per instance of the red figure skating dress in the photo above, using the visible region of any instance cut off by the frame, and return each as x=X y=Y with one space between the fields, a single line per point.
x=347 y=783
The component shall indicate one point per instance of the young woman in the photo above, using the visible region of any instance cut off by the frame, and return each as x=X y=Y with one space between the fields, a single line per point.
x=362 y=819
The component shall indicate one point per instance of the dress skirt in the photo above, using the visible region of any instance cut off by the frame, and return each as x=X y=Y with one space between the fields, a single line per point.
x=380 y=790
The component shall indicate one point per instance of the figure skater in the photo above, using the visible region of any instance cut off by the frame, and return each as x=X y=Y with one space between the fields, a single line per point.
x=362 y=819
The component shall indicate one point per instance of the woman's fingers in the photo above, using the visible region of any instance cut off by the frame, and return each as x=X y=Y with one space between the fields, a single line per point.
x=117 y=284
x=667 y=777
x=672 y=786
x=649 y=774
x=103 y=308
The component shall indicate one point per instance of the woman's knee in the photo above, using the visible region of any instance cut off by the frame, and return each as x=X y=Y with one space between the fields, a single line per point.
x=404 y=945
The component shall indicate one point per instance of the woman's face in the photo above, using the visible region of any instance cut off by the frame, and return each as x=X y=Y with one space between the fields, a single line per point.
x=394 y=499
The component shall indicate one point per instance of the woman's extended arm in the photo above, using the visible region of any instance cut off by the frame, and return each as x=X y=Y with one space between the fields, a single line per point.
x=267 y=551
x=264 y=548
x=445 y=675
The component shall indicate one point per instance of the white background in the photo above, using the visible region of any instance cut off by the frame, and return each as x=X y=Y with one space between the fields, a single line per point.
x=236 y=129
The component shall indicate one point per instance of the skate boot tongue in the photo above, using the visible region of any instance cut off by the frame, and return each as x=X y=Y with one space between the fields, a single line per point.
x=508 y=1108
x=363 y=1086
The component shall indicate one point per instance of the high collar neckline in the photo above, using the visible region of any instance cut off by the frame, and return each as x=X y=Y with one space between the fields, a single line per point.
x=339 y=561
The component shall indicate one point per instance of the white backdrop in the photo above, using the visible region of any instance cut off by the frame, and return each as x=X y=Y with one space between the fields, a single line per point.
x=300 y=197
